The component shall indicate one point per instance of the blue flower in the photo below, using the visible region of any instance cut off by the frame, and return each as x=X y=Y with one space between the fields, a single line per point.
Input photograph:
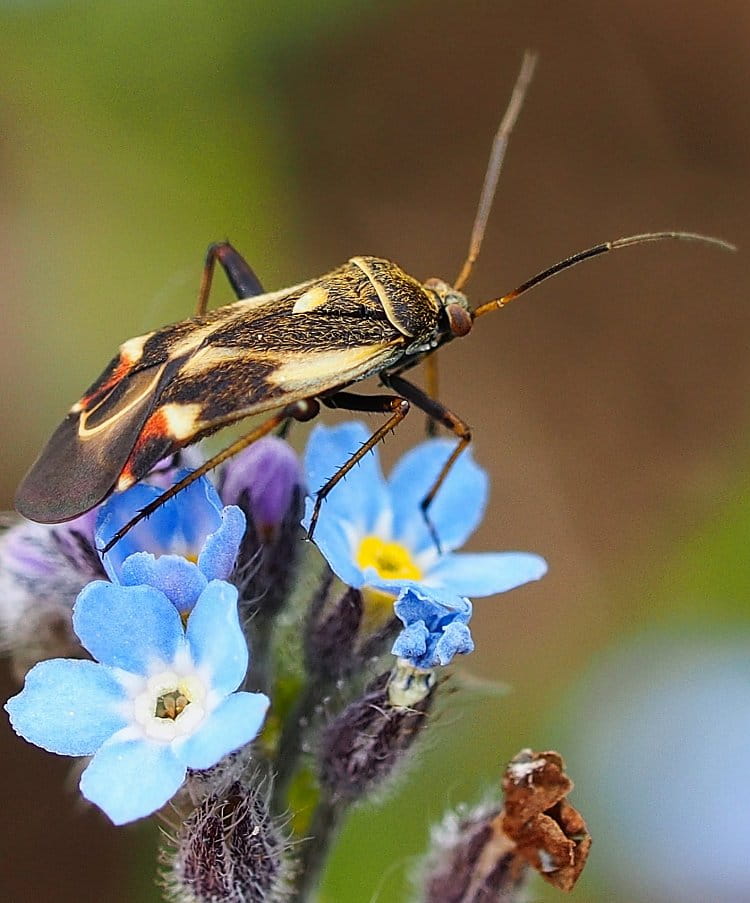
x=435 y=629
x=373 y=534
x=158 y=699
x=184 y=544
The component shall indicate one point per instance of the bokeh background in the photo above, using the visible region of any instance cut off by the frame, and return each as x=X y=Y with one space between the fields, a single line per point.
x=609 y=405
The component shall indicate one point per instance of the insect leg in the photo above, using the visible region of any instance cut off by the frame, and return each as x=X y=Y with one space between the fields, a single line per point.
x=431 y=374
x=243 y=280
x=299 y=410
x=439 y=413
x=283 y=431
x=349 y=401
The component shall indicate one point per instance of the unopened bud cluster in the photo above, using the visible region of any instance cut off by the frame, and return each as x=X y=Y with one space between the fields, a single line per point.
x=228 y=849
x=366 y=743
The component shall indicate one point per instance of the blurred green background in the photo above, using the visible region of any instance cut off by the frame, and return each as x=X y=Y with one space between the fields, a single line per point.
x=609 y=406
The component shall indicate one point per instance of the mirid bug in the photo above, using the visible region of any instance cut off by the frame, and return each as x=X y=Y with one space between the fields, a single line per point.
x=290 y=350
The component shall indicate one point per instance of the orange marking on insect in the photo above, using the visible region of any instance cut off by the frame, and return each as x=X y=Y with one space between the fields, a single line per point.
x=120 y=371
x=156 y=427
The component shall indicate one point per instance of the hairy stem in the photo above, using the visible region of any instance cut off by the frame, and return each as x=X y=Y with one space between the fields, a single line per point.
x=291 y=742
x=322 y=831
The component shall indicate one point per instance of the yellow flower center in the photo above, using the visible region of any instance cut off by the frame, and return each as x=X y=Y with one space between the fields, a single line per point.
x=391 y=560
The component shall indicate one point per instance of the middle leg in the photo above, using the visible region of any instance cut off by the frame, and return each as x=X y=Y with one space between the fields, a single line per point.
x=431 y=374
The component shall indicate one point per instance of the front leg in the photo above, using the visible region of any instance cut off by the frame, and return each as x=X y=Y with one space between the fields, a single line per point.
x=437 y=412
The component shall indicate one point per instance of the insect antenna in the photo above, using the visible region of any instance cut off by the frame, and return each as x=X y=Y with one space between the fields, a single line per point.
x=602 y=248
x=497 y=154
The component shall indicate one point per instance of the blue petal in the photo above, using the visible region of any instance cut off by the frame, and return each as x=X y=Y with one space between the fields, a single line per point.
x=332 y=537
x=411 y=643
x=200 y=508
x=131 y=779
x=215 y=638
x=455 y=640
x=128 y=627
x=485 y=573
x=180 y=526
x=235 y=722
x=458 y=507
x=432 y=606
x=67 y=706
x=180 y=580
x=116 y=512
x=219 y=552
x=361 y=497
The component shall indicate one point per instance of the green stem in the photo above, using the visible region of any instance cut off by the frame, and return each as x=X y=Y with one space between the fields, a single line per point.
x=290 y=744
x=322 y=831
x=259 y=676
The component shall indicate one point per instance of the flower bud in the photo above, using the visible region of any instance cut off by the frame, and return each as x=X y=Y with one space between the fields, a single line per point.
x=471 y=860
x=262 y=480
x=42 y=570
x=366 y=742
x=229 y=849
x=343 y=634
x=265 y=482
x=331 y=636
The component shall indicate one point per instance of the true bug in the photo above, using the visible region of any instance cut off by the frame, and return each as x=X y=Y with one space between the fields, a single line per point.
x=289 y=350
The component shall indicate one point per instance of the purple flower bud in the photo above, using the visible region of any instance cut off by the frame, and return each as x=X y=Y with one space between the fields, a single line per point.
x=264 y=481
x=267 y=473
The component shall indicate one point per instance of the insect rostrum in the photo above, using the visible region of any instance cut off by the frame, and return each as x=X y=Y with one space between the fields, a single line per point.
x=287 y=351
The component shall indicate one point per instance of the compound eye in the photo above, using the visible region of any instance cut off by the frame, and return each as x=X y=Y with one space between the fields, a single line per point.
x=459 y=319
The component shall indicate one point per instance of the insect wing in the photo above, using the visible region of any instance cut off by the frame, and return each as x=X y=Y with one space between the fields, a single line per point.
x=181 y=383
x=80 y=464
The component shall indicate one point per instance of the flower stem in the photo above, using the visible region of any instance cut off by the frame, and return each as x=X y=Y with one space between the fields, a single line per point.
x=259 y=677
x=291 y=742
x=323 y=829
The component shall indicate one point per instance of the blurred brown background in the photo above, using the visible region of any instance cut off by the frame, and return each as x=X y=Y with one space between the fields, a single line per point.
x=609 y=404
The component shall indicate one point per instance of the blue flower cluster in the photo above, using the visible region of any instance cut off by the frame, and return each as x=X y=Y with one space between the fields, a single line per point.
x=159 y=696
x=162 y=692
x=373 y=534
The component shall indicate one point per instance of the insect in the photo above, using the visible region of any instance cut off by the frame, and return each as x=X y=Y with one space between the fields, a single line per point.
x=287 y=351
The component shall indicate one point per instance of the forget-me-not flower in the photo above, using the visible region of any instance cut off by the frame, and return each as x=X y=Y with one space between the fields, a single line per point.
x=435 y=629
x=159 y=698
x=185 y=543
x=373 y=533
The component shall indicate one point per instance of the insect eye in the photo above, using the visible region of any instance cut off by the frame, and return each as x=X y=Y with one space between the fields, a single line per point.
x=459 y=319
